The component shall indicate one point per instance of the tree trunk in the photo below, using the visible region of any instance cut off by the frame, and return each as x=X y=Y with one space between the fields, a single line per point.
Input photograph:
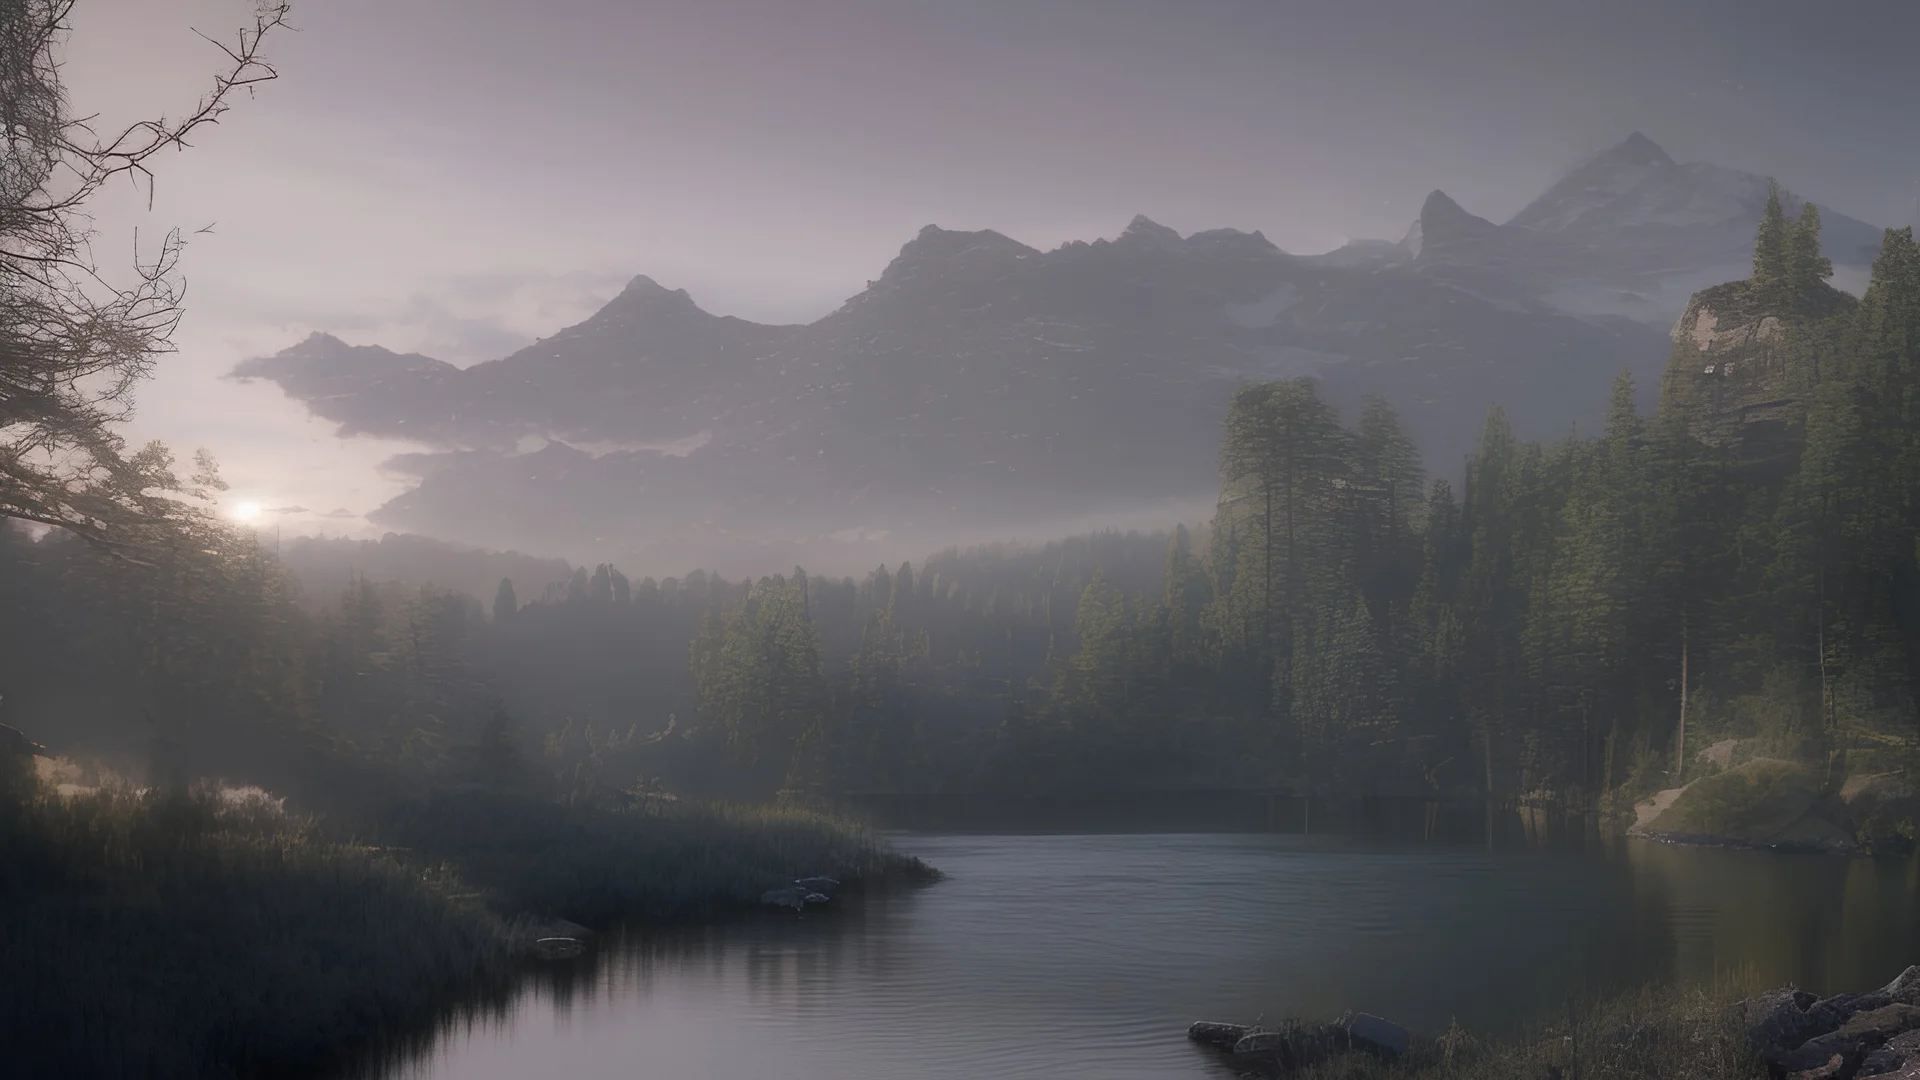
x=1486 y=743
x=1680 y=748
x=1266 y=584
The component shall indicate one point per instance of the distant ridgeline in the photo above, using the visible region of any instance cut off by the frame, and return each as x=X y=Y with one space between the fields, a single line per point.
x=979 y=387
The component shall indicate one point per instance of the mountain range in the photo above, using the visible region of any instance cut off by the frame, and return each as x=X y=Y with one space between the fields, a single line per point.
x=979 y=384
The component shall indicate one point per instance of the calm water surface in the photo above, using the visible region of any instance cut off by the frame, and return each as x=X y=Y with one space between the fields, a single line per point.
x=1071 y=956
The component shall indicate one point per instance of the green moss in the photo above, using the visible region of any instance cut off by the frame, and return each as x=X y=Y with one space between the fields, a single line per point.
x=1764 y=801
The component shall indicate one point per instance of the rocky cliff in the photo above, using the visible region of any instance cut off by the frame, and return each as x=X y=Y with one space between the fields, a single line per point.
x=1745 y=366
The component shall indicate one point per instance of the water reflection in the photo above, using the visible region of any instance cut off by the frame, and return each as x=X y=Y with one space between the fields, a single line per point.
x=1082 y=955
x=1828 y=924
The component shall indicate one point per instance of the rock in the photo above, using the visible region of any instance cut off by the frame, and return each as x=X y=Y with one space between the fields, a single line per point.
x=1885 y=810
x=1835 y=1067
x=1261 y=1042
x=796 y=897
x=1830 y=1014
x=1882 y=1024
x=792 y=896
x=1296 y=1047
x=1217 y=1035
x=1763 y=803
x=15 y=743
x=1373 y=1034
x=1845 y=1029
x=1720 y=753
x=1880 y=1062
x=558 y=948
x=1778 y=1020
x=555 y=940
x=1905 y=987
x=1899 y=1059
x=824 y=885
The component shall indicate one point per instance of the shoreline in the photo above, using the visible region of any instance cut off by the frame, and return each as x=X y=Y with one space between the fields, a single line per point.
x=211 y=939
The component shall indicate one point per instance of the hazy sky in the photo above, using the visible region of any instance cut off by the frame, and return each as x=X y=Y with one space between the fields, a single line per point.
x=458 y=176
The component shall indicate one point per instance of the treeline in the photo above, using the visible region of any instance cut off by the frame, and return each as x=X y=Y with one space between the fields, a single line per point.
x=1578 y=618
x=1581 y=617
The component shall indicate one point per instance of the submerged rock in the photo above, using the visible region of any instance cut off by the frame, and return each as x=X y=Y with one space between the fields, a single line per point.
x=803 y=891
x=1368 y=1032
x=558 y=948
x=1217 y=1035
x=794 y=896
x=557 y=939
x=1298 y=1046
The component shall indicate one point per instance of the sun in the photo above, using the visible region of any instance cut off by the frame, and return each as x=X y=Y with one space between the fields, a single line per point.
x=247 y=511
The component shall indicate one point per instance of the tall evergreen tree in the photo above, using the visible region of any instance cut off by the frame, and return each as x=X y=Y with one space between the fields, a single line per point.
x=1807 y=269
x=1771 y=255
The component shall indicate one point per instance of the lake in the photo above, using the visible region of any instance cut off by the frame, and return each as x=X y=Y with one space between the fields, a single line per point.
x=1087 y=955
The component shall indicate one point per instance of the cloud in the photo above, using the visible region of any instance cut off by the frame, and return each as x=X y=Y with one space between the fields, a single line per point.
x=462 y=319
x=284 y=510
x=342 y=512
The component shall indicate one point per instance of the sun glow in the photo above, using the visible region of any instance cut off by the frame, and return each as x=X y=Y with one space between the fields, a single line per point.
x=247 y=512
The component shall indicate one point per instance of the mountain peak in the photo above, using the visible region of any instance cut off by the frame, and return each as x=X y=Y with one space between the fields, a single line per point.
x=643 y=293
x=1636 y=149
x=643 y=285
x=1440 y=216
x=934 y=245
x=1441 y=205
x=1599 y=180
x=1143 y=227
x=1446 y=228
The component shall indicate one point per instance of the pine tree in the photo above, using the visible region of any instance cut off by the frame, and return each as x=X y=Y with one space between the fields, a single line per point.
x=1807 y=269
x=505 y=604
x=1771 y=259
x=1185 y=596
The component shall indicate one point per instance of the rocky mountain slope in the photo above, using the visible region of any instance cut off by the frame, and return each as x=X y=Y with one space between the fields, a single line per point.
x=980 y=383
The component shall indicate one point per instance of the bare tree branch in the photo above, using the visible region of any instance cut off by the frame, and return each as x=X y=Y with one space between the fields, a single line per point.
x=74 y=345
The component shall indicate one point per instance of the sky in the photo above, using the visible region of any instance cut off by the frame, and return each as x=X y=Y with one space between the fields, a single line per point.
x=458 y=177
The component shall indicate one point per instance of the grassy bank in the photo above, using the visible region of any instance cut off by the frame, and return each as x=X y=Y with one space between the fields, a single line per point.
x=214 y=936
x=588 y=865
x=1656 y=1033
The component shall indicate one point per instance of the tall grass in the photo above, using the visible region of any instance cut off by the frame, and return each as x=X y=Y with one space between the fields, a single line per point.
x=200 y=939
x=1654 y=1033
x=213 y=937
x=590 y=864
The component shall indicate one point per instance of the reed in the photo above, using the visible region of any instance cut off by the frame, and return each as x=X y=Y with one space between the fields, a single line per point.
x=1652 y=1033
x=590 y=864
x=215 y=936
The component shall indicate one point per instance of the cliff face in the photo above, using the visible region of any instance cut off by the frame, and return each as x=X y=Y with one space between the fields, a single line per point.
x=1743 y=365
